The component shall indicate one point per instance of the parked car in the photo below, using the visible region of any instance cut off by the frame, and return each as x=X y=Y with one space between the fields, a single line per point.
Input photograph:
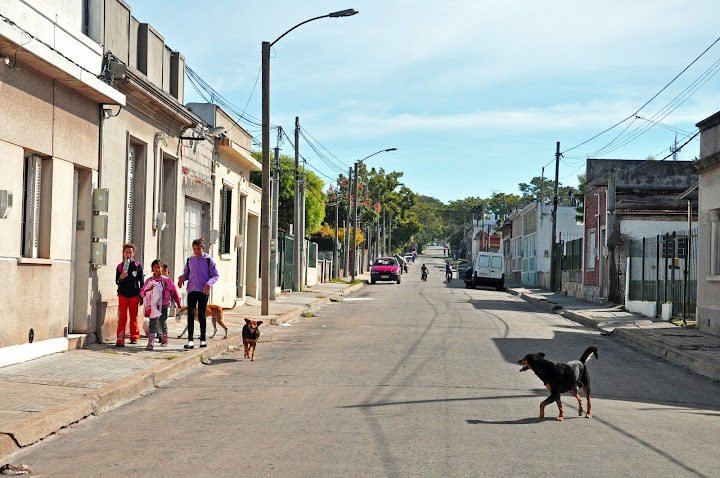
x=462 y=267
x=408 y=257
x=488 y=270
x=385 y=269
x=403 y=263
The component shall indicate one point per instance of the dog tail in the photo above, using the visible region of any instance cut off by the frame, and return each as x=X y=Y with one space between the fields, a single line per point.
x=588 y=351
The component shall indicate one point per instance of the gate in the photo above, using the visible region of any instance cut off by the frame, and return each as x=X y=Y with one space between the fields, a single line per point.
x=663 y=269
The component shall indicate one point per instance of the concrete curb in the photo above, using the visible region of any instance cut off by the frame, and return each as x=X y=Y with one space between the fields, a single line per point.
x=25 y=432
x=314 y=305
x=542 y=303
x=698 y=364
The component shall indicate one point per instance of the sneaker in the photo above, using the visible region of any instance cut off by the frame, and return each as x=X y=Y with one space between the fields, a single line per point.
x=119 y=344
x=189 y=345
x=133 y=342
x=203 y=343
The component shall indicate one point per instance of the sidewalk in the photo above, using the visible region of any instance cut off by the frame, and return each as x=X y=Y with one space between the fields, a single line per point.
x=688 y=347
x=41 y=396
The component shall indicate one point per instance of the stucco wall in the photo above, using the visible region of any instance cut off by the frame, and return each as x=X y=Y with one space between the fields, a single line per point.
x=708 y=301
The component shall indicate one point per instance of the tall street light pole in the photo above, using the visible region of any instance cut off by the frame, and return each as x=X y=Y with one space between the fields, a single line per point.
x=265 y=244
x=355 y=210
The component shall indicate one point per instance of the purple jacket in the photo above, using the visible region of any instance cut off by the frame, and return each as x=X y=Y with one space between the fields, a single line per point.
x=200 y=271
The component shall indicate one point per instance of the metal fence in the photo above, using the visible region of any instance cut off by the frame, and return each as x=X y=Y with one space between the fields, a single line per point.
x=571 y=248
x=663 y=269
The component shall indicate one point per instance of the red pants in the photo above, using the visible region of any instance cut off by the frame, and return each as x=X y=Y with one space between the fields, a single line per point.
x=124 y=305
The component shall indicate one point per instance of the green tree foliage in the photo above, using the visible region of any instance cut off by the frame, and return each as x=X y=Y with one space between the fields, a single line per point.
x=532 y=191
x=314 y=197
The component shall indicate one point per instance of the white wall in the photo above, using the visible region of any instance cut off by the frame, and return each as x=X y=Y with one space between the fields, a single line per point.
x=639 y=228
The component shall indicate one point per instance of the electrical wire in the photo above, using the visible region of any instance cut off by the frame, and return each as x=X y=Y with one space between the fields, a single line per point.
x=647 y=102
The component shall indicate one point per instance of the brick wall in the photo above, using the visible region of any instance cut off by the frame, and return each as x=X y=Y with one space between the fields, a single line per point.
x=591 y=276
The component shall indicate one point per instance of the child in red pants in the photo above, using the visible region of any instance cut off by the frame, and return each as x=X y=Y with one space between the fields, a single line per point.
x=129 y=279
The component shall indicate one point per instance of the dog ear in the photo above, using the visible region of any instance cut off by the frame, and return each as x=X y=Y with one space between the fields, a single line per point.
x=259 y=323
x=247 y=321
x=541 y=355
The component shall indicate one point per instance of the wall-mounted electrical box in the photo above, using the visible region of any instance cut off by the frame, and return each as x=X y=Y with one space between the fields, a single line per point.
x=160 y=221
x=99 y=227
x=239 y=239
x=6 y=203
x=98 y=253
x=213 y=236
x=100 y=200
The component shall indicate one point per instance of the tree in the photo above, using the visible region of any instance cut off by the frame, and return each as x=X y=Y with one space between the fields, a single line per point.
x=314 y=195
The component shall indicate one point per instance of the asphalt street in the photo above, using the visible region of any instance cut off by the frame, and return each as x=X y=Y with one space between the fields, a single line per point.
x=410 y=379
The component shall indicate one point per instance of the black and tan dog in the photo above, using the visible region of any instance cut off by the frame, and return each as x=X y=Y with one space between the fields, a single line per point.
x=560 y=378
x=215 y=312
x=250 y=335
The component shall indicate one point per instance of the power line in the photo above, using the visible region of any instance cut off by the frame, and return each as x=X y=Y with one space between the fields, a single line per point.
x=647 y=102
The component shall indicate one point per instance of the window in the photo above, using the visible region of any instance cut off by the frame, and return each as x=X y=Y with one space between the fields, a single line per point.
x=135 y=197
x=36 y=204
x=591 y=248
x=225 y=218
x=497 y=262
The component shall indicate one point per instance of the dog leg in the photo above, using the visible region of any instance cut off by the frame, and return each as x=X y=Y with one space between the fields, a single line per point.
x=561 y=415
x=545 y=403
x=580 y=407
x=586 y=391
x=252 y=359
x=245 y=346
x=183 y=333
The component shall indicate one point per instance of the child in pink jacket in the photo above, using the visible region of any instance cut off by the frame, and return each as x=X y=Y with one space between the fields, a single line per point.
x=162 y=289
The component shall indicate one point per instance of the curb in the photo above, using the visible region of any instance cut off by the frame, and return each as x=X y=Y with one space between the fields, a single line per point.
x=700 y=365
x=22 y=433
x=316 y=304
x=697 y=364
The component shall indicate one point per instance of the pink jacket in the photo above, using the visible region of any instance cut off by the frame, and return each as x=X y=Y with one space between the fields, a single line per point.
x=169 y=290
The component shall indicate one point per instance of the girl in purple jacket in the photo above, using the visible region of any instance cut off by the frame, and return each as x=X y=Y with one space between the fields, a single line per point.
x=201 y=274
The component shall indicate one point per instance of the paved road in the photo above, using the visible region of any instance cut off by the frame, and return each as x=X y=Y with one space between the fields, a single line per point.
x=415 y=379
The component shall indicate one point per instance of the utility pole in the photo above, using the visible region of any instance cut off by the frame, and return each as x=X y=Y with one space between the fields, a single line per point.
x=347 y=225
x=335 y=244
x=296 y=209
x=553 y=253
x=274 y=225
x=301 y=279
x=355 y=225
x=265 y=199
x=377 y=239
x=390 y=249
x=369 y=235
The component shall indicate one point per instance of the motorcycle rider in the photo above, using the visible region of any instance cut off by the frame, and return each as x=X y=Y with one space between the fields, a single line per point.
x=448 y=271
x=424 y=272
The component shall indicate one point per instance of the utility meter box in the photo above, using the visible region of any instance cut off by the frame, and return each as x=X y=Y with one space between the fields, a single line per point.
x=100 y=227
x=98 y=253
x=100 y=200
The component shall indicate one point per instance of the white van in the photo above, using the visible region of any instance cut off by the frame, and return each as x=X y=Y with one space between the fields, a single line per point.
x=488 y=270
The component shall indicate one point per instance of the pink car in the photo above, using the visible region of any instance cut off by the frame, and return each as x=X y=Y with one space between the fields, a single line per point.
x=385 y=268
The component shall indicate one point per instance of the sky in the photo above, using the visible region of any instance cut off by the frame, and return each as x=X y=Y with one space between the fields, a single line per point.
x=474 y=94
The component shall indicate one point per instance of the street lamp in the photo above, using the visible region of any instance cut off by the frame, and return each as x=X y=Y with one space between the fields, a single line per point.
x=265 y=247
x=355 y=217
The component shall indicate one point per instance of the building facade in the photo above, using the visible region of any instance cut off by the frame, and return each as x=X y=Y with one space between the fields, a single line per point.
x=235 y=206
x=708 y=268
x=51 y=102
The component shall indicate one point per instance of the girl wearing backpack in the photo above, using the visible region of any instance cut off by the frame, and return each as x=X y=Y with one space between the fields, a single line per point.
x=201 y=274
